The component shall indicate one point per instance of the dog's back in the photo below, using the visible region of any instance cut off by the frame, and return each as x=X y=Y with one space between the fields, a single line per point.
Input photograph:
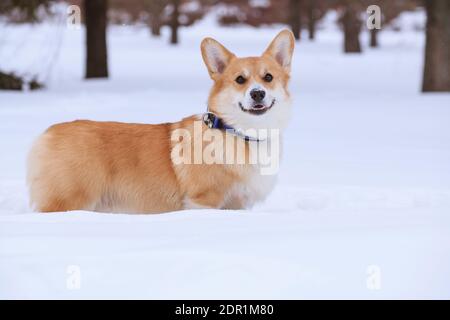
x=103 y=166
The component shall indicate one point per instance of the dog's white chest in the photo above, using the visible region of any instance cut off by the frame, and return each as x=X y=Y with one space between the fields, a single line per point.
x=255 y=189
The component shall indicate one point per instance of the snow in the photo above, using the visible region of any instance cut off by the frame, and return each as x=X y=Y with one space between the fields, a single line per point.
x=363 y=196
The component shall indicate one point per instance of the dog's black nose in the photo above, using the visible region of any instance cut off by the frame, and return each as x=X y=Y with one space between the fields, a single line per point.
x=257 y=95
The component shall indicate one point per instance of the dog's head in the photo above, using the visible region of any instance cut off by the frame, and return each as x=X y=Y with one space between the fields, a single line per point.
x=251 y=93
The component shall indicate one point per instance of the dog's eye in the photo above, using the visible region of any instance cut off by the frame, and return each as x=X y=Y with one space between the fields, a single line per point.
x=240 y=80
x=268 y=77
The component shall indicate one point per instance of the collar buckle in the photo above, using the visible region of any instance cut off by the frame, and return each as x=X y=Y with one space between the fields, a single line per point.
x=209 y=119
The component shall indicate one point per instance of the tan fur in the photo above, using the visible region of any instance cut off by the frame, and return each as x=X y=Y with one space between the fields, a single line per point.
x=103 y=166
x=120 y=167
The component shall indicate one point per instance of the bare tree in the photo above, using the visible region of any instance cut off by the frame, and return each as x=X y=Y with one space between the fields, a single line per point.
x=390 y=9
x=295 y=18
x=174 y=21
x=23 y=10
x=436 y=75
x=312 y=18
x=294 y=13
x=373 y=42
x=184 y=13
x=351 y=25
x=96 y=48
x=155 y=9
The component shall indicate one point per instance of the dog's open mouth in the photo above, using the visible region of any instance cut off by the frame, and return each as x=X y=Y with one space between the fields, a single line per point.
x=257 y=109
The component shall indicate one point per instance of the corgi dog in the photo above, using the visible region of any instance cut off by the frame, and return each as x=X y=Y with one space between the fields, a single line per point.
x=136 y=168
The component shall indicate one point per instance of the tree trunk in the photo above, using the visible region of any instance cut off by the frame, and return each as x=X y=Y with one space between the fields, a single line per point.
x=295 y=18
x=436 y=75
x=175 y=23
x=96 y=49
x=311 y=19
x=155 y=9
x=374 y=38
x=155 y=26
x=352 y=27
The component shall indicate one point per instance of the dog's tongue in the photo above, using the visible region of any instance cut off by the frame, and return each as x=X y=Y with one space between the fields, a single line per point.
x=258 y=106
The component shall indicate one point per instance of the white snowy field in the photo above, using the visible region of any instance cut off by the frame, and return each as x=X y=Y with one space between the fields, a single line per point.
x=361 y=209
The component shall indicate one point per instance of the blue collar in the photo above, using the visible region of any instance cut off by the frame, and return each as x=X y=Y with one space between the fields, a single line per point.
x=212 y=121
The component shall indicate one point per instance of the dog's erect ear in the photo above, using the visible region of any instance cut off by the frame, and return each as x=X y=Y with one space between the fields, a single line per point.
x=216 y=57
x=281 y=49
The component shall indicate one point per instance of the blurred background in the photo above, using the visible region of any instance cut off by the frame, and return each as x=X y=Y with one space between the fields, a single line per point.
x=169 y=20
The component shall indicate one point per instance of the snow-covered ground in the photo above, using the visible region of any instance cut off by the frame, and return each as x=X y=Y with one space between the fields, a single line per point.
x=361 y=210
